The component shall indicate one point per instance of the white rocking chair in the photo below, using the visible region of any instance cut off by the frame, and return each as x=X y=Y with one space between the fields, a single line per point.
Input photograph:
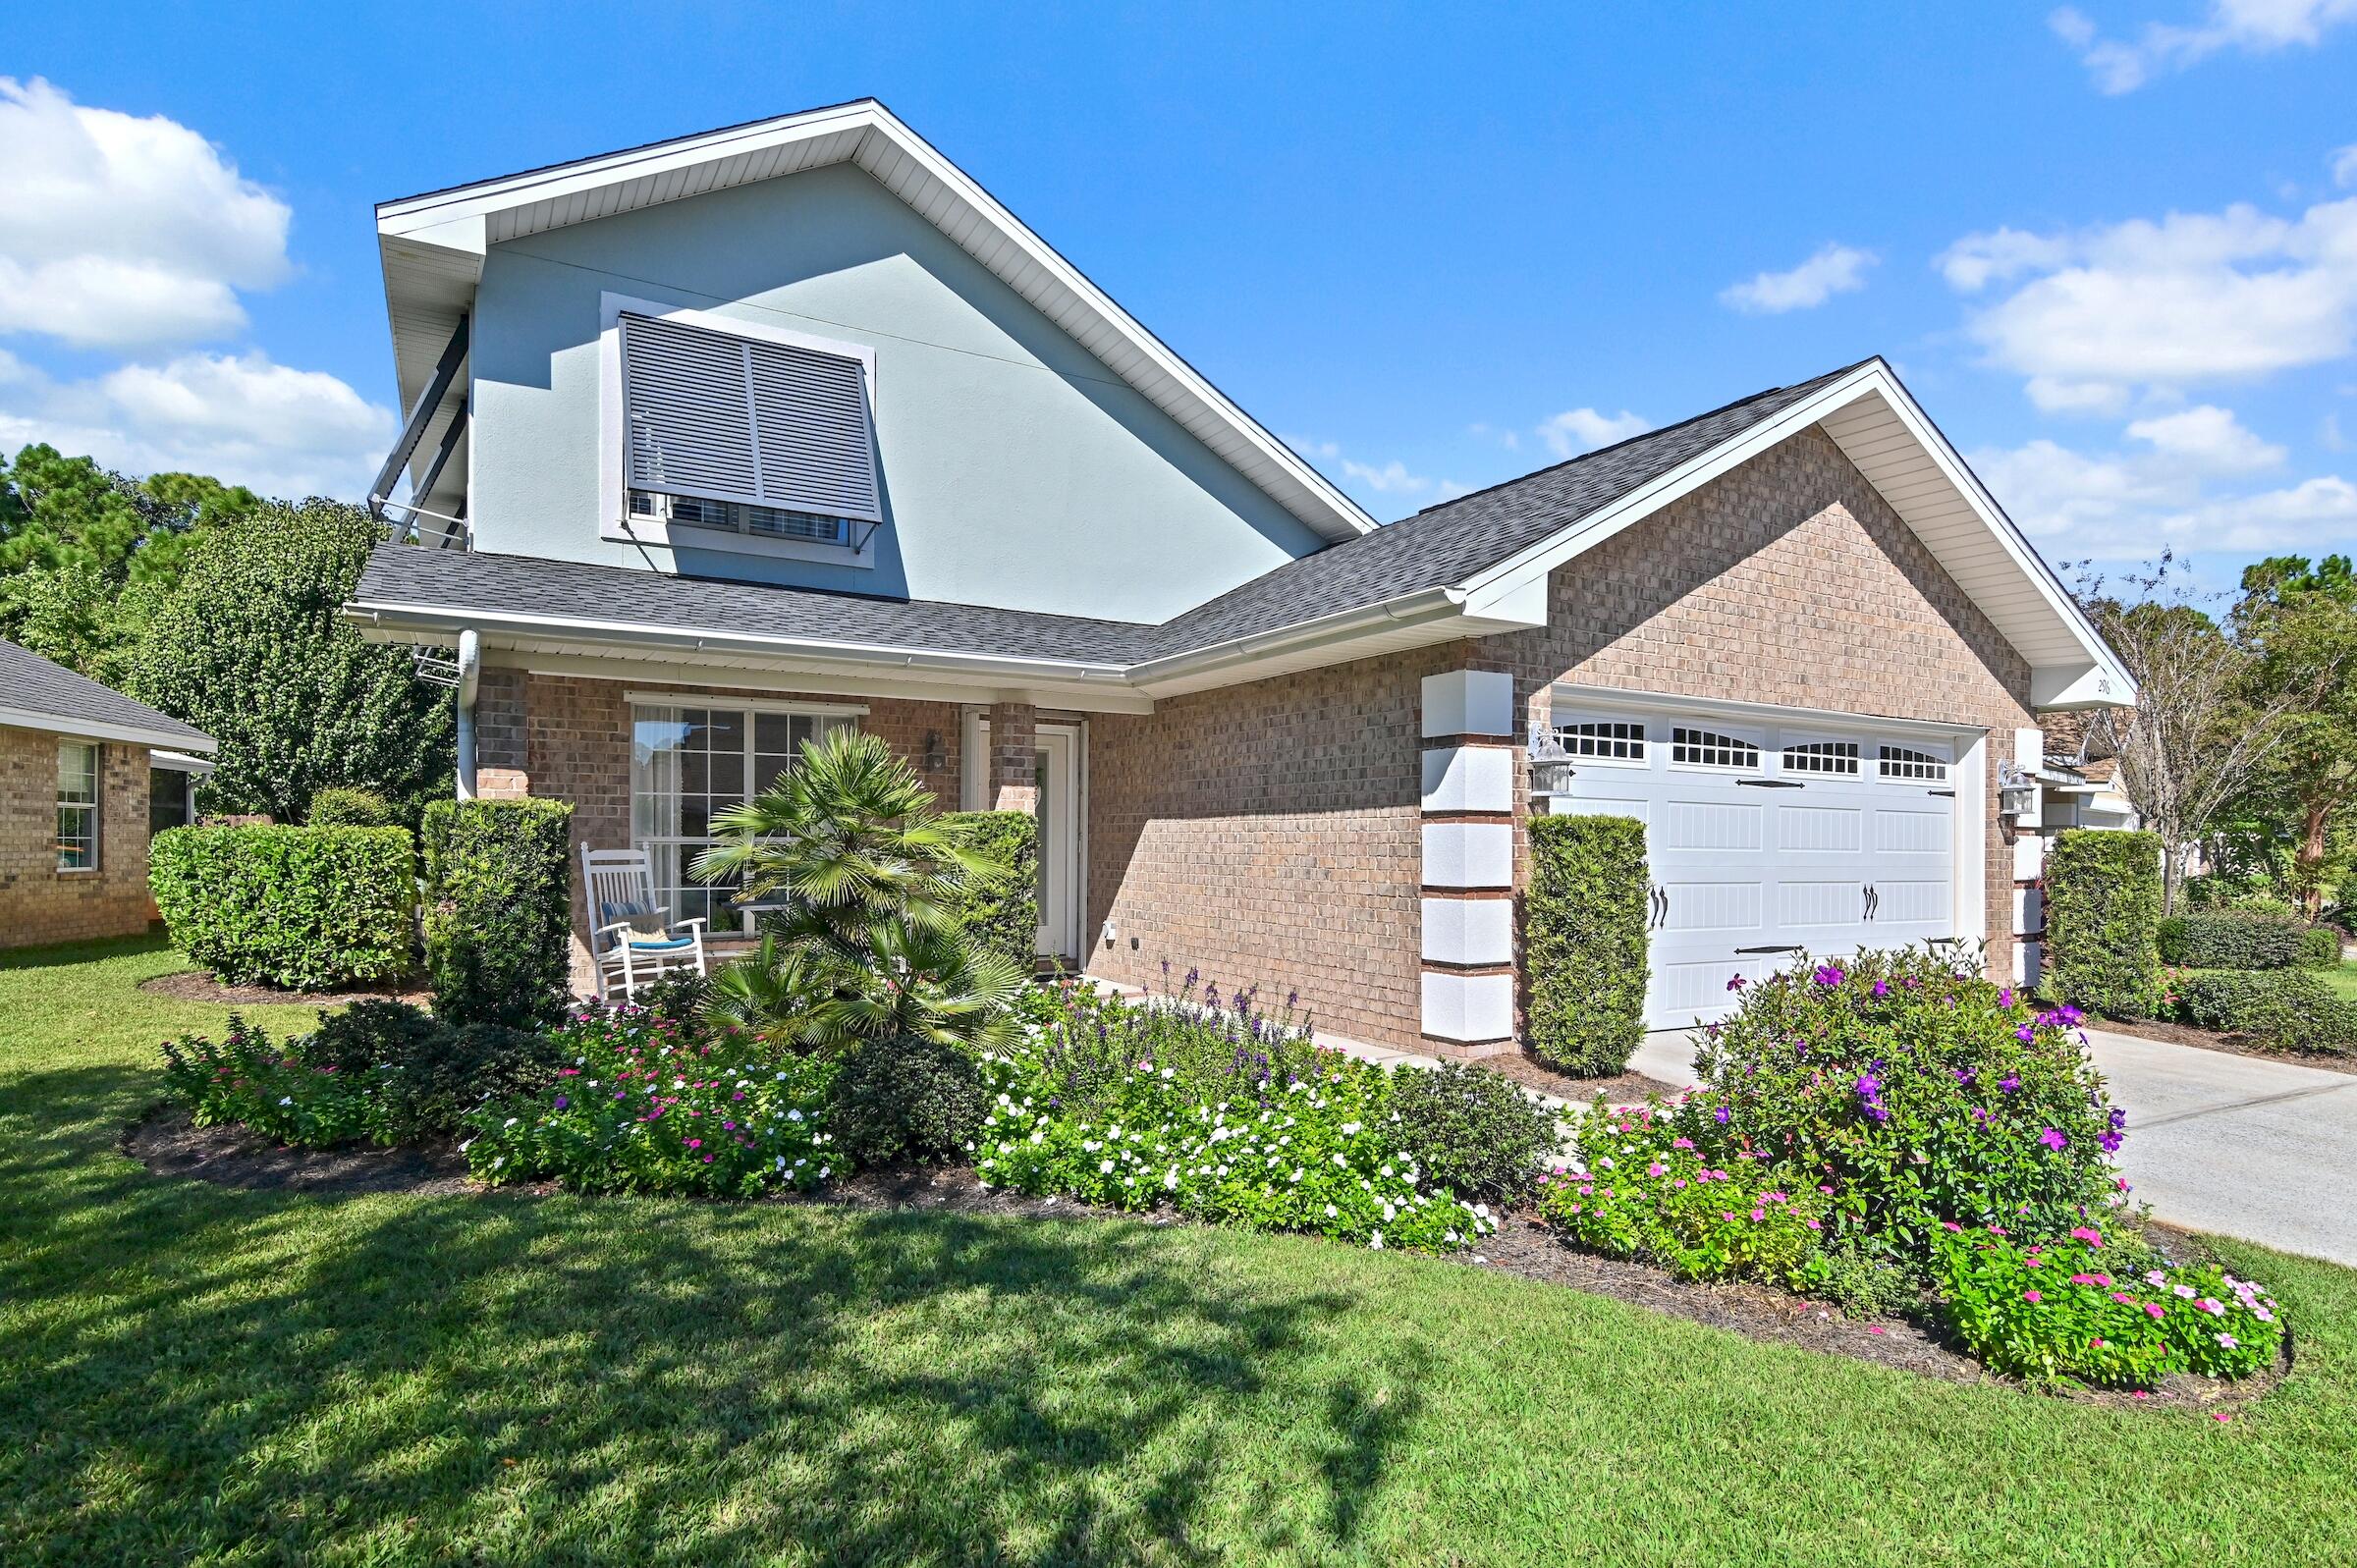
x=621 y=888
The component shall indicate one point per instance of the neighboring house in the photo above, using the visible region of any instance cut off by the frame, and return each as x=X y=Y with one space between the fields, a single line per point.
x=721 y=442
x=86 y=775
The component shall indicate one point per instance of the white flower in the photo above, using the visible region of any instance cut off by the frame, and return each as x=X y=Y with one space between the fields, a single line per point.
x=824 y=1172
x=793 y=1116
x=1332 y=1210
x=1350 y=1128
x=1105 y=1168
x=290 y=1100
x=511 y=1121
x=1377 y=1241
x=1297 y=1174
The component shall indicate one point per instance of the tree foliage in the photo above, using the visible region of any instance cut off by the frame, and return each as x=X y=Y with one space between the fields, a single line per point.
x=2300 y=622
x=250 y=647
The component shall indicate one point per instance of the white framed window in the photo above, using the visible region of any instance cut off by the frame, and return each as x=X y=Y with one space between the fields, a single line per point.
x=733 y=435
x=1838 y=758
x=693 y=758
x=76 y=805
x=1909 y=762
x=1711 y=748
x=1604 y=741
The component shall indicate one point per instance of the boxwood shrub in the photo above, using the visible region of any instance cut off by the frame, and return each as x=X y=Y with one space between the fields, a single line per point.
x=2288 y=1010
x=1002 y=913
x=1583 y=941
x=339 y=806
x=499 y=910
x=303 y=907
x=2103 y=916
x=2320 y=948
x=2232 y=939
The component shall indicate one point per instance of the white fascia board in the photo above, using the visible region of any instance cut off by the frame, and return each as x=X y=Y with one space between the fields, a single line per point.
x=180 y=762
x=874 y=136
x=1516 y=573
x=1415 y=620
x=1563 y=697
x=74 y=729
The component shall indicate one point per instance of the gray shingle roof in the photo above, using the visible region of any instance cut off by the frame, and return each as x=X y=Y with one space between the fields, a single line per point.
x=34 y=685
x=1438 y=547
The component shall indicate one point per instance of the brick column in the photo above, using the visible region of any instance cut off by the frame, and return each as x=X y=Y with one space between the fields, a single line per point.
x=2028 y=852
x=1468 y=863
x=1014 y=779
x=503 y=768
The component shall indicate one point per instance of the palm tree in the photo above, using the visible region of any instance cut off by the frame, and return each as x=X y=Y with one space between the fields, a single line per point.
x=868 y=941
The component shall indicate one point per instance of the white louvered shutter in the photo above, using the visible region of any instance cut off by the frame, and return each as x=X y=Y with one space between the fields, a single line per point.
x=727 y=419
x=817 y=448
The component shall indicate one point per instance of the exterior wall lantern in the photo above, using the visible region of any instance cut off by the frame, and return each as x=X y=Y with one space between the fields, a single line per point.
x=1551 y=769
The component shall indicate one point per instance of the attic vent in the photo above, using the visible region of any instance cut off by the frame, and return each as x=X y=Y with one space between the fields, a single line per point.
x=718 y=417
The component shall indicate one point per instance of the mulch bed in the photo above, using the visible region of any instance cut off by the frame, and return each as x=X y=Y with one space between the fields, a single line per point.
x=2232 y=1045
x=169 y=1144
x=198 y=985
x=1622 y=1089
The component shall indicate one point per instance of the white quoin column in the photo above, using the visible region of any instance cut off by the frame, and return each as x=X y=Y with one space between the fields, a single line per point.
x=1468 y=862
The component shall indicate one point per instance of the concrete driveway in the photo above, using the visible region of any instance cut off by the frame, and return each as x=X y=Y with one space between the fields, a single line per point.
x=2245 y=1146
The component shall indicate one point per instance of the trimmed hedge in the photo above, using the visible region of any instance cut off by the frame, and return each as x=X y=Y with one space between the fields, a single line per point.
x=1583 y=941
x=308 y=908
x=499 y=910
x=2320 y=949
x=1001 y=915
x=2102 y=917
x=2230 y=938
x=2289 y=1009
x=340 y=807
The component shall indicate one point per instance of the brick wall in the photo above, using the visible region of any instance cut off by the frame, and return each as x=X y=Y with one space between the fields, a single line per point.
x=38 y=903
x=1269 y=833
x=1789 y=581
x=568 y=739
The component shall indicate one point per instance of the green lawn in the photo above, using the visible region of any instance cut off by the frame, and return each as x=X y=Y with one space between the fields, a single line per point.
x=2342 y=979
x=191 y=1373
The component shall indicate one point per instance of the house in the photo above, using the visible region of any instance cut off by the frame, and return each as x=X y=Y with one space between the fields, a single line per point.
x=720 y=442
x=86 y=775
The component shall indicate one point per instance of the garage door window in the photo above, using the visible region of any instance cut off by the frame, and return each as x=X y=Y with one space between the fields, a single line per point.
x=1604 y=741
x=1708 y=748
x=1836 y=757
x=1906 y=762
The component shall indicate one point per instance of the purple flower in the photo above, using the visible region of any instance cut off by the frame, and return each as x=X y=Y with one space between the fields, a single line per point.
x=2009 y=1082
x=1882 y=988
x=1829 y=975
x=1721 y=1114
x=562 y=1102
x=1737 y=984
x=2053 y=1138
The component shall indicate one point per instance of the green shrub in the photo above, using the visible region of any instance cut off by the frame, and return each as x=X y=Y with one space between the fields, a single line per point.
x=1861 y=1283
x=368 y=1033
x=2233 y=939
x=1916 y=1091
x=2069 y=1311
x=499 y=910
x=2288 y=1010
x=905 y=1097
x=2168 y=940
x=2103 y=911
x=302 y=907
x=2320 y=949
x=1472 y=1131
x=246 y=1080
x=341 y=807
x=1584 y=943
x=1001 y=913
x=1645 y=1190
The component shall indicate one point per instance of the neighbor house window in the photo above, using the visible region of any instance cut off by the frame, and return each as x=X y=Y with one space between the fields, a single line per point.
x=77 y=807
x=747 y=433
x=1606 y=741
x=1823 y=756
x=1706 y=748
x=167 y=800
x=691 y=762
x=1904 y=762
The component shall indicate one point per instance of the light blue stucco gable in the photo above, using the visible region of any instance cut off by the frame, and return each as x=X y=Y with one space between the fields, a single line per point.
x=1017 y=470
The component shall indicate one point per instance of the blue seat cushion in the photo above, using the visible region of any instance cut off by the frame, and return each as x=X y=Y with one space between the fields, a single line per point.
x=672 y=944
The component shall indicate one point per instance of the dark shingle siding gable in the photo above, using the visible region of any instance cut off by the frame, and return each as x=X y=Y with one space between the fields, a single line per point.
x=1439 y=547
x=33 y=684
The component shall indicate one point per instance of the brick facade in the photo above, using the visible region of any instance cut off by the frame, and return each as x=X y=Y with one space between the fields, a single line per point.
x=568 y=738
x=1270 y=833
x=39 y=903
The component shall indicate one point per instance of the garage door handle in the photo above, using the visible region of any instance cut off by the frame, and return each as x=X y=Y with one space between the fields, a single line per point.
x=1660 y=906
x=1772 y=783
x=1874 y=901
x=1740 y=952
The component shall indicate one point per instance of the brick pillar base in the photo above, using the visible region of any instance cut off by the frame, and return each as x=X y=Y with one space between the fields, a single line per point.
x=1014 y=757
x=1468 y=877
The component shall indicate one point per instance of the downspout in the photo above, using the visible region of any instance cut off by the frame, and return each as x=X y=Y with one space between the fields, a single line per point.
x=471 y=671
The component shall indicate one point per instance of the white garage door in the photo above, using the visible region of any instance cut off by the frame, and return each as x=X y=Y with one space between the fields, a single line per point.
x=1769 y=841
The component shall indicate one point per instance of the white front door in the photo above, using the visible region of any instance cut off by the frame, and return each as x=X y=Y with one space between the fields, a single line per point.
x=1060 y=812
x=1767 y=841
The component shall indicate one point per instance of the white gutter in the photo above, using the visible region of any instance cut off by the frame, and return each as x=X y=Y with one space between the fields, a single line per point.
x=98 y=729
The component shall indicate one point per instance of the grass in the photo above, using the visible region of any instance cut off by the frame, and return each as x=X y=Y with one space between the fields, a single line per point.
x=192 y=1373
x=2342 y=978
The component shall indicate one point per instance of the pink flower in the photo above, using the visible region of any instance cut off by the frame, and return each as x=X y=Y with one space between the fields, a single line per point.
x=2032 y=1297
x=2226 y=1340
x=1874 y=1328
x=2153 y=1309
x=2221 y=1417
x=1759 y=1215
x=1813 y=1224
x=2088 y=1234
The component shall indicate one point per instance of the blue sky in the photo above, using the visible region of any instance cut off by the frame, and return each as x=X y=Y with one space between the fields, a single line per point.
x=2113 y=250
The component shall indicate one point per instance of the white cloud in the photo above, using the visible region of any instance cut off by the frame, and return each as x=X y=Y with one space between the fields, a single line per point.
x=1834 y=269
x=121 y=231
x=240 y=418
x=2162 y=491
x=1390 y=480
x=2185 y=298
x=2254 y=26
x=2345 y=166
x=1579 y=430
x=2076 y=397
